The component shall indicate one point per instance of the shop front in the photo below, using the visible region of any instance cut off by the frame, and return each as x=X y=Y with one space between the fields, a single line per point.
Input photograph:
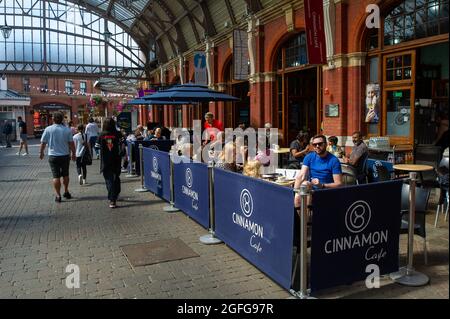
x=43 y=113
x=407 y=73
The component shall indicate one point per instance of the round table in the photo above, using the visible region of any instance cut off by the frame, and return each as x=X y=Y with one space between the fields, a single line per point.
x=413 y=167
x=282 y=150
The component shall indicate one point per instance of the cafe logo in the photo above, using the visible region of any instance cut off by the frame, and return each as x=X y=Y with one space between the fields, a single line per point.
x=358 y=216
x=154 y=147
x=155 y=164
x=189 y=178
x=246 y=203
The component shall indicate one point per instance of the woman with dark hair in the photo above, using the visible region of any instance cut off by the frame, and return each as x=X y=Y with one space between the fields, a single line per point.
x=111 y=150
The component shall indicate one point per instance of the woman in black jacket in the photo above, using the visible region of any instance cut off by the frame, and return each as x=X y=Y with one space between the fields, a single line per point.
x=111 y=153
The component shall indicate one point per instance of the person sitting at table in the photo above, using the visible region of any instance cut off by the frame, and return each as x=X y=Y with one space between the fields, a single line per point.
x=298 y=149
x=333 y=148
x=252 y=169
x=358 y=156
x=323 y=168
x=227 y=158
x=158 y=135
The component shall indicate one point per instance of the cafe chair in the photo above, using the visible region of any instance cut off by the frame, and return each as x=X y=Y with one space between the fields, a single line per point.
x=428 y=155
x=349 y=174
x=442 y=178
x=422 y=197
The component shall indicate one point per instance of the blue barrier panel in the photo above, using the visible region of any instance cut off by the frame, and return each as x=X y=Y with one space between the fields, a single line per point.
x=256 y=218
x=373 y=168
x=353 y=227
x=157 y=172
x=160 y=145
x=192 y=191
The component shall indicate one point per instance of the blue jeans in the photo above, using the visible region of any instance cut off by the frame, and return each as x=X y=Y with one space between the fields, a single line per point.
x=92 y=141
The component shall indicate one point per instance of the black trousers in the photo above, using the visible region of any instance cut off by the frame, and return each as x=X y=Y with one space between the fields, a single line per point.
x=81 y=167
x=112 y=180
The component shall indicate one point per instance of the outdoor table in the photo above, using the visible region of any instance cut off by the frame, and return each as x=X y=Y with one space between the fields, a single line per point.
x=408 y=276
x=281 y=152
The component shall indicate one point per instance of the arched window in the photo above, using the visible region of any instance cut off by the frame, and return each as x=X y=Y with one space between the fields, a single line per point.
x=415 y=19
x=293 y=52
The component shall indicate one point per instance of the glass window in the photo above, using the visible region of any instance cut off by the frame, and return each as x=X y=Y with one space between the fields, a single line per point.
x=398 y=68
x=83 y=87
x=26 y=84
x=68 y=88
x=82 y=45
x=415 y=19
x=373 y=70
x=295 y=52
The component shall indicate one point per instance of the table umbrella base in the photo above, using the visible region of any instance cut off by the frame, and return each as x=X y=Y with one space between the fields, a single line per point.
x=412 y=278
x=210 y=239
x=131 y=175
x=141 y=190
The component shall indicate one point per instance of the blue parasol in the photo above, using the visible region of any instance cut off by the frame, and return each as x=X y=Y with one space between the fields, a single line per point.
x=189 y=94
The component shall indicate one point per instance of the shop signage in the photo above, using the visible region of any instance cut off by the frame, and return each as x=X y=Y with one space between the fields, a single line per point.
x=315 y=33
x=200 y=68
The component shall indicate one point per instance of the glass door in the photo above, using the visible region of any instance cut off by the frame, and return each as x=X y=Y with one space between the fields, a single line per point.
x=399 y=112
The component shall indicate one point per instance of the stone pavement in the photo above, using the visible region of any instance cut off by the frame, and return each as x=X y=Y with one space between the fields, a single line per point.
x=39 y=238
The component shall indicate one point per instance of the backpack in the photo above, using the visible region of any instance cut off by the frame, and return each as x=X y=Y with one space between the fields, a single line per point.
x=86 y=158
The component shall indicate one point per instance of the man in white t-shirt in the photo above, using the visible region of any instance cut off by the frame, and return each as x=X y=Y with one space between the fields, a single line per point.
x=92 y=134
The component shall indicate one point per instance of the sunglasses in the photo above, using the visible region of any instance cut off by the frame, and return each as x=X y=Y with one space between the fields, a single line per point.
x=318 y=144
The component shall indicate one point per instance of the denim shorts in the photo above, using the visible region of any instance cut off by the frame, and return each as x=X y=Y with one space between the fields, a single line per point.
x=59 y=165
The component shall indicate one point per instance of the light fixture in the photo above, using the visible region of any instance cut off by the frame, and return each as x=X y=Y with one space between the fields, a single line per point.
x=107 y=35
x=6 y=29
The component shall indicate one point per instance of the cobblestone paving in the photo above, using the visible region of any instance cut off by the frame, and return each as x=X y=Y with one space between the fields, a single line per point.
x=39 y=238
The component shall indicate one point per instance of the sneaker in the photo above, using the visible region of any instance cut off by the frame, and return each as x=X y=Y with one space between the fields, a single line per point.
x=18 y=153
x=24 y=154
x=112 y=205
x=67 y=195
x=80 y=179
x=98 y=156
x=84 y=182
x=58 y=199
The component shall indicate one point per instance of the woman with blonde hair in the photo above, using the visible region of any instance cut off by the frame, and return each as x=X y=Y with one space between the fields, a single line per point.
x=227 y=158
x=251 y=169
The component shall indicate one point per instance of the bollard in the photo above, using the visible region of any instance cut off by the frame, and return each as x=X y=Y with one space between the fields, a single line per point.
x=132 y=172
x=141 y=160
x=407 y=275
x=171 y=208
x=210 y=238
x=304 y=193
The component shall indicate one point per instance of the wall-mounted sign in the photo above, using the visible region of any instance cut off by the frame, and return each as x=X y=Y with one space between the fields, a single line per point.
x=332 y=110
x=240 y=54
x=200 y=68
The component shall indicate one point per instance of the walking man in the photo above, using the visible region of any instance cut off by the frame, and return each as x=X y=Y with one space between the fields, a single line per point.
x=7 y=130
x=23 y=136
x=60 y=147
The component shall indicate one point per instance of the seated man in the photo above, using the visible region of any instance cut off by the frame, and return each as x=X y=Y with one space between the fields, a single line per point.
x=358 y=156
x=298 y=149
x=323 y=168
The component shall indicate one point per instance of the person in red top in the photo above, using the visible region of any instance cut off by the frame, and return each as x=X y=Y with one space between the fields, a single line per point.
x=212 y=126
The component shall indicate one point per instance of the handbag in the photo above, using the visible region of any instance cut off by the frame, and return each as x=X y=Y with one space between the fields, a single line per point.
x=87 y=157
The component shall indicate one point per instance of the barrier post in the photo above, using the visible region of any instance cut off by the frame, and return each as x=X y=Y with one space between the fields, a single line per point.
x=304 y=193
x=132 y=172
x=408 y=276
x=211 y=239
x=171 y=208
x=141 y=160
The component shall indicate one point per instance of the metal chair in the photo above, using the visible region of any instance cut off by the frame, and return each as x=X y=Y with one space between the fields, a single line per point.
x=422 y=197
